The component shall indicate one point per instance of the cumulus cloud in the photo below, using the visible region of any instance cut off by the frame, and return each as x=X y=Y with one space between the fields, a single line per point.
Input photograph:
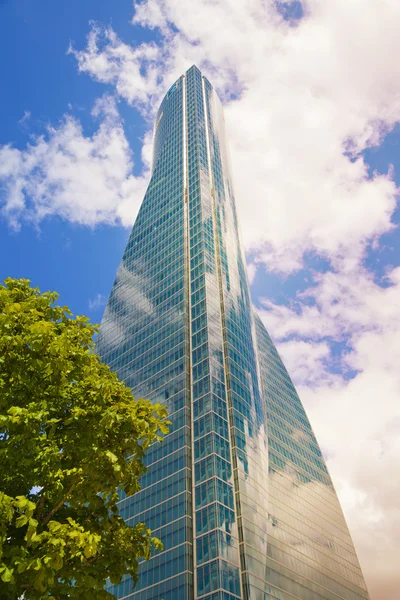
x=306 y=101
x=304 y=97
x=359 y=423
x=301 y=103
x=83 y=179
x=308 y=362
x=353 y=401
x=133 y=70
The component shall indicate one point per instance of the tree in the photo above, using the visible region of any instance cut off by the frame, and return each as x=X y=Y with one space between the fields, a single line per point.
x=67 y=426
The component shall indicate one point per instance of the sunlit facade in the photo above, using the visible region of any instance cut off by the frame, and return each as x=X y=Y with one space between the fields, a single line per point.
x=238 y=492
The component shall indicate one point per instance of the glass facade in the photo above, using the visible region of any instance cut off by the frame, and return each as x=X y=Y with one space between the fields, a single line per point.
x=238 y=491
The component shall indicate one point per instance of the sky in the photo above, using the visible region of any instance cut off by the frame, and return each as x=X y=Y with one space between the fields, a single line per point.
x=311 y=92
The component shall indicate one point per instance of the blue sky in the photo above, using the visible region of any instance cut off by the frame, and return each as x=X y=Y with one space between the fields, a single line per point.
x=41 y=80
x=312 y=107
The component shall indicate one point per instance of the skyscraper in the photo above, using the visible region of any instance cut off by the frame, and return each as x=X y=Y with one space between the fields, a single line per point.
x=239 y=491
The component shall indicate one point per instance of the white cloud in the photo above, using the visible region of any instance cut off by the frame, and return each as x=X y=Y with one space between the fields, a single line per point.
x=359 y=423
x=25 y=117
x=285 y=321
x=310 y=99
x=251 y=272
x=340 y=303
x=308 y=362
x=84 y=179
x=97 y=302
x=134 y=71
x=302 y=101
x=357 y=420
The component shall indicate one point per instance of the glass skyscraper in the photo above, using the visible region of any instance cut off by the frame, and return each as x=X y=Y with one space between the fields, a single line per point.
x=238 y=491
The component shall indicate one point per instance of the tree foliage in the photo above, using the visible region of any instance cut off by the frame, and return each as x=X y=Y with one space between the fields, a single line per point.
x=67 y=426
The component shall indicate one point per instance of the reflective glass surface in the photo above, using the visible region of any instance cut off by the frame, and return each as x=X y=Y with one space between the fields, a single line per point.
x=238 y=491
x=310 y=554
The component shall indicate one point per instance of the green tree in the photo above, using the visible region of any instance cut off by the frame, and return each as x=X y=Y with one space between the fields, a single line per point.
x=67 y=426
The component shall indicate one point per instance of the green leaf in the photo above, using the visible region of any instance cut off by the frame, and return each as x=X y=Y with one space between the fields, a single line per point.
x=58 y=562
x=20 y=502
x=90 y=550
x=73 y=422
x=21 y=521
x=33 y=522
x=39 y=582
x=111 y=456
x=7 y=574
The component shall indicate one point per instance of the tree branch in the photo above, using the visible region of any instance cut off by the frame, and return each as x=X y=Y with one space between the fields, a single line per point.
x=60 y=504
x=40 y=504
